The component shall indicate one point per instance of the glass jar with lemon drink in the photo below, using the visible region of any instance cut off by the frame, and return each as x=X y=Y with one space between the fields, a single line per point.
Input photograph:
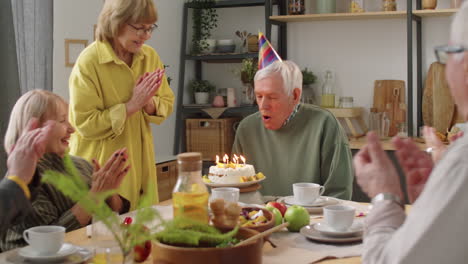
x=190 y=195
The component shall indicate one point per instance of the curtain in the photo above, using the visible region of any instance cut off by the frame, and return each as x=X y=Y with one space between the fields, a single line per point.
x=33 y=23
x=9 y=81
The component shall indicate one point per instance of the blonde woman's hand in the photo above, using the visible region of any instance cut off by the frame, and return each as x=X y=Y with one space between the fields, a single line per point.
x=29 y=148
x=146 y=87
x=111 y=175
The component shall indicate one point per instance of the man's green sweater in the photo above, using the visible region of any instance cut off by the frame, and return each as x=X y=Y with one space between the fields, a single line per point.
x=311 y=147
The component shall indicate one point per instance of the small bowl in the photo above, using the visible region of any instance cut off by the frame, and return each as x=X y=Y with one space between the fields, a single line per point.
x=225 y=42
x=250 y=253
x=265 y=226
x=226 y=48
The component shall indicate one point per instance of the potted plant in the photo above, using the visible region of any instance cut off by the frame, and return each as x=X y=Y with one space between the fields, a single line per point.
x=204 y=19
x=308 y=78
x=308 y=94
x=201 y=90
x=247 y=73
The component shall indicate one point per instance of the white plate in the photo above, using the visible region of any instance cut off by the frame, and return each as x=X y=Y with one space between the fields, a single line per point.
x=291 y=201
x=240 y=184
x=316 y=209
x=311 y=233
x=355 y=230
x=29 y=253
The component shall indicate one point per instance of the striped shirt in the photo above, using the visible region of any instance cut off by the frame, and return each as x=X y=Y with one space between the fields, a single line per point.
x=49 y=205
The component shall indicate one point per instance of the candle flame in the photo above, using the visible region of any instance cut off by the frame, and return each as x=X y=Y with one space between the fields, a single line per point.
x=226 y=158
x=242 y=158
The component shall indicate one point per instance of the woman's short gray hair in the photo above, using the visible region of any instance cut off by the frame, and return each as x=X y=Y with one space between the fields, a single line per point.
x=115 y=13
x=40 y=104
x=289 y=72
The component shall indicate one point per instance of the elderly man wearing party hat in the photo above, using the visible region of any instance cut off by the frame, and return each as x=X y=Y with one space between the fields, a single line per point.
x=288 y=141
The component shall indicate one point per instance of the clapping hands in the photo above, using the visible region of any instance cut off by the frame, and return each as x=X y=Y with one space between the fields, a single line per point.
x=146 y=87
x=23 y=156
x=375 y=172
x=111 y=175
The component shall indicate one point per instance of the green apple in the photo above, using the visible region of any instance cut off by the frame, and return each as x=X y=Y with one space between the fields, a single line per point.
x=276 y=214
x=297 y=217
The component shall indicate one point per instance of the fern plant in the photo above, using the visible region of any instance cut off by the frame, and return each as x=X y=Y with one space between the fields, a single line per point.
x=127 y=236
x=180 y=230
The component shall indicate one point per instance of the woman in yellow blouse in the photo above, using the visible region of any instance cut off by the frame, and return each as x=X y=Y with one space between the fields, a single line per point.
x=117 y=88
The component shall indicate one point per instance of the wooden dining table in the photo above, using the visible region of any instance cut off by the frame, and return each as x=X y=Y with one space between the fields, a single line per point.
x=80 y=237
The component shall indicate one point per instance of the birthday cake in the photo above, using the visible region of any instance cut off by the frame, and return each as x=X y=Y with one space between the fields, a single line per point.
x=232 y=172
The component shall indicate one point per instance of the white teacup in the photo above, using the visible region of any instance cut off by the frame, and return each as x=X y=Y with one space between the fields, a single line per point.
x=45 y=240
x=306 y=193
x=228 y=194
x=339 y=217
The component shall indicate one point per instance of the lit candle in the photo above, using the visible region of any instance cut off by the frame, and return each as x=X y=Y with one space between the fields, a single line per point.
x=217 y=159
x=226 y=159
x=242 y=158
x=236 y=159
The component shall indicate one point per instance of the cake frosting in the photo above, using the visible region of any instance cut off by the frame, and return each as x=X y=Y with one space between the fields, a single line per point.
x=230 y=173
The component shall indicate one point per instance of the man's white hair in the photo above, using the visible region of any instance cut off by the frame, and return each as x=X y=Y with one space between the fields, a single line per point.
x=459 y=29
x=288 y=71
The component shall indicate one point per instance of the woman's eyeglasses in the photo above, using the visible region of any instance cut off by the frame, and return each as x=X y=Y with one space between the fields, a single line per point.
x=140 y=31
x=442 y=52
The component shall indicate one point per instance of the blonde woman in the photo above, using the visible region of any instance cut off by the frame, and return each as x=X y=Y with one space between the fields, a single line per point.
x=50 y=206
x=117 y=88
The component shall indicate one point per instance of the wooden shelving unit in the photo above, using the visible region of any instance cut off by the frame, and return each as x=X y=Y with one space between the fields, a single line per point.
x=364 y=15
x=412 y=16
x=340 y=16
x=435 y=12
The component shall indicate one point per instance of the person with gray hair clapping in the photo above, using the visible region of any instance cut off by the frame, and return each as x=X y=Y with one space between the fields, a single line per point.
x=434 y=231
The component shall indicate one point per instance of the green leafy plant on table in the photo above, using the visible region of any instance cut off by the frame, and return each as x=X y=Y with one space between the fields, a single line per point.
x=204 y=19
x=308 y=77
x=179 y=231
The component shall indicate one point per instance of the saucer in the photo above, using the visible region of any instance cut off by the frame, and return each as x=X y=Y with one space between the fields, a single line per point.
x=238 y=185
x=311 y=233
x=355 y=230
x=29 y=253
x=320 y=201
x=315 y=209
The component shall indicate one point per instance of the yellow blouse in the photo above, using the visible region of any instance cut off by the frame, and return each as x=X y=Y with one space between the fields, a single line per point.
x=100 y=85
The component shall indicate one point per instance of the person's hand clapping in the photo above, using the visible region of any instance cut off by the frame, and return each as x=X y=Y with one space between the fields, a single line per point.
x=110 y=176
x=416 y=164
x=146 y=87
x=29 y=148
x=375 y=172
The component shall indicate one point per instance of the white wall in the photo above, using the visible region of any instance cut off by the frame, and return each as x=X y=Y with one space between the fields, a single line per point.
x=75 y=20
x=359 y=52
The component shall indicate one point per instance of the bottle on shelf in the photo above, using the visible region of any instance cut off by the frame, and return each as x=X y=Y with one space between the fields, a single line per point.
x=296 y=7
x=190 y=195
x=357 y=6
x=325 y=6
x=328 y=91
x=346 y=102
x=389 y=5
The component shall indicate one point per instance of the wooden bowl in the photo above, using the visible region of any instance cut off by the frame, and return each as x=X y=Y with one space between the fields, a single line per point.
x=250 y=253
x=265 y=226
